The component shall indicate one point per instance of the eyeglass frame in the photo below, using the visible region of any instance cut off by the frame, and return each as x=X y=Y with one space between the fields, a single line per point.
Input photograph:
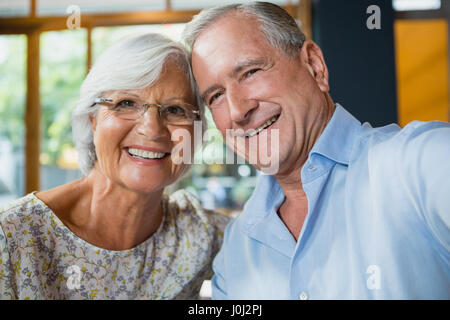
x=100 y=100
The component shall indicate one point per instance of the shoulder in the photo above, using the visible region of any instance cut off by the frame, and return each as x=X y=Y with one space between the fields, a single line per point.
x=425 y=146
x=409 y=144
x=412 y=134
x=16 y=210
x=380 y=137
x=428 y=135
x=21 y=217
x=186 y=209
x=419 y=144
x=198 y=231
x=407 y=163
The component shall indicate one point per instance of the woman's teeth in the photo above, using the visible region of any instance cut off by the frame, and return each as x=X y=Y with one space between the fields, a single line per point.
x=145 y=154
x=254 y=132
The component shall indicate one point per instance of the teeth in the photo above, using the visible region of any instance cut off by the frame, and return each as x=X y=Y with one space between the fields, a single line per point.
x=262 y=127
x=145 y=154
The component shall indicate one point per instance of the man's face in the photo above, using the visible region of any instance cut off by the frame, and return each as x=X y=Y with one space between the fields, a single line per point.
x=248 y=84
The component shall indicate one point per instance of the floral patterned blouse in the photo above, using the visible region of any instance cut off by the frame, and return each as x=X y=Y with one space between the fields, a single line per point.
x=40 y=258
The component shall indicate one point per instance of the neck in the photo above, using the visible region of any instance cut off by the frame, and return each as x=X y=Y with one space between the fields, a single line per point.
x=290 y=178
x=115 y=217
x=294 y=208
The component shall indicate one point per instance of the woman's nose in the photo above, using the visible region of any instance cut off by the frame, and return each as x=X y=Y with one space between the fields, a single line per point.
x=151 y=125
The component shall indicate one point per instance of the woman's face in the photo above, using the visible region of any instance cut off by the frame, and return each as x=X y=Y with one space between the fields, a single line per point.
x=130 y=152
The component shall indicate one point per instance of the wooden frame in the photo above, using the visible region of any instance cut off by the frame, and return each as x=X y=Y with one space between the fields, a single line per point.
x=28 y=24
x=33 y=25
x=32 y=114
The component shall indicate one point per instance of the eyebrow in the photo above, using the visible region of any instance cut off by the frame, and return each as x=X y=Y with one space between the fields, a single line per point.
x=122 y=92
x=247 y=63
x=241 y=66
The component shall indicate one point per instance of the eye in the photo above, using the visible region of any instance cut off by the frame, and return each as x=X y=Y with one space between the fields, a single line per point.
x=214 y=97
x=125 y=104
x=250 y=73
x=175 y=110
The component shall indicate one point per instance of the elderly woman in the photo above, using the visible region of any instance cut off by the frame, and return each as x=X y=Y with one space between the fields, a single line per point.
x=113 y=234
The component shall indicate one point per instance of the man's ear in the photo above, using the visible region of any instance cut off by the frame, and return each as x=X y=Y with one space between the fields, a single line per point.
x=312 y=57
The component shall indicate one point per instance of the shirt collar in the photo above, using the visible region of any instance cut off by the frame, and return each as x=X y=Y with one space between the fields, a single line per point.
x=267 y=195
x=340 y=134
x=335 y=142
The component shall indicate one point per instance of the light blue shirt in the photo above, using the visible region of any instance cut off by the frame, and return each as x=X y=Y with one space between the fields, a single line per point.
x=377 y=225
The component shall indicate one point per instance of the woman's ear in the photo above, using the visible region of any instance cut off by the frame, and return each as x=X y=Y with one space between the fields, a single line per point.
x=312 y=57
x=93 y=121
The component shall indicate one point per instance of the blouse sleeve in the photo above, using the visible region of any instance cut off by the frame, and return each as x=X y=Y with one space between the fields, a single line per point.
x=219 y=222
x=216 y=221
x=6 y=288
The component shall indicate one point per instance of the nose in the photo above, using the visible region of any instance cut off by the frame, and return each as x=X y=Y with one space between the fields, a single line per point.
x=151 y=126
x=240 y=106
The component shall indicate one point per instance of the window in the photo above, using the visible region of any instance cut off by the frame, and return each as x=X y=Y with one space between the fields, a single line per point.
x=12 y=106
x=404 y=5
x=63 y=68
x=103 y=37
x=14 y=8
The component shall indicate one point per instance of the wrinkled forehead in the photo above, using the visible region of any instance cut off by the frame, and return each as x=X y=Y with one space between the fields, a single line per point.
x=225 y=45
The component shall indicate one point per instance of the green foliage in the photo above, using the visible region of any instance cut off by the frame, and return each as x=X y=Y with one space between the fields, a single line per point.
x=63 y=68
x=12 y=88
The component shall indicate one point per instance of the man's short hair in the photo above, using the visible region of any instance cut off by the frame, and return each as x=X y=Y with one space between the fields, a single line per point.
x=279 y=28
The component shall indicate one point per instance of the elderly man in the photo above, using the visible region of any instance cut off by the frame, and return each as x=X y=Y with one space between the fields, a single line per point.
x=353 y=212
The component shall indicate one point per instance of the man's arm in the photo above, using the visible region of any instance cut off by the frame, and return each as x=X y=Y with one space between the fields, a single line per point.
x=426 y=154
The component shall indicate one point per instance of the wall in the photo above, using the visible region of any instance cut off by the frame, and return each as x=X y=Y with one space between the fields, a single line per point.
x=360 y=61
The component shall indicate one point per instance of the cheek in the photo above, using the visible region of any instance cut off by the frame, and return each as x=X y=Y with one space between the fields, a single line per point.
x=222 y=119
x=305 y=85
x=266 y=85
x=108 y=135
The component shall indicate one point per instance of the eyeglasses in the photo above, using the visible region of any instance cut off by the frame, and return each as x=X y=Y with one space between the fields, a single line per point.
x=174 y=112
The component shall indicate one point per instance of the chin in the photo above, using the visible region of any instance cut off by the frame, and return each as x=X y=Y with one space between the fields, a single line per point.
x=146 y=189
x=146 y=182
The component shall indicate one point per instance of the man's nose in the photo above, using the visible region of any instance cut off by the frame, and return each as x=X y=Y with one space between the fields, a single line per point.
x=150 y=125
x=239 y=104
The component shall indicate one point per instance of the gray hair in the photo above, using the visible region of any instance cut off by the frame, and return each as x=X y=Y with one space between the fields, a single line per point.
x=134 y=62
x=278 y=27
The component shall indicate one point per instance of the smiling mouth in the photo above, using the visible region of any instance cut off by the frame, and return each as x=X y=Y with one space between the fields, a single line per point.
x=146 y=155
x=268 y=123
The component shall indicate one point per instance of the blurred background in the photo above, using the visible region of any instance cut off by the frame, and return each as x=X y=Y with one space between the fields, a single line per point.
x=396 y=72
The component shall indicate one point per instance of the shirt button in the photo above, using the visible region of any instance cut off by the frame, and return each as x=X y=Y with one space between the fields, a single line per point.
x=303 y=296
x=312 y=168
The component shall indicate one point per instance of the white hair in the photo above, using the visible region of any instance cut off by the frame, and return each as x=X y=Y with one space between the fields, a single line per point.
x=278 y=27
x=132 y=63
